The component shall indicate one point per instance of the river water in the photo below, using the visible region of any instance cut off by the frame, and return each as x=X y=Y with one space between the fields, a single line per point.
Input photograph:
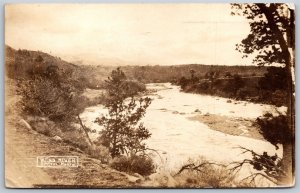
x=178 y=138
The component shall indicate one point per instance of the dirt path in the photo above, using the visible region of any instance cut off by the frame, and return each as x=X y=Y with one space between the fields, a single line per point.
x=23 y=145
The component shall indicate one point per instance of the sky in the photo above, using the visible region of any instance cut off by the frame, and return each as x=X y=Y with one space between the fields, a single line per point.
x=129 y=34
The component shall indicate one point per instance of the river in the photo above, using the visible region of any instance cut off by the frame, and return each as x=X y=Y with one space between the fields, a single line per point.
x=177 y=138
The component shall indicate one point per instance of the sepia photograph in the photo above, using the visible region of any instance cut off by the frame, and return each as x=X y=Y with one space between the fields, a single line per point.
x=140 y=95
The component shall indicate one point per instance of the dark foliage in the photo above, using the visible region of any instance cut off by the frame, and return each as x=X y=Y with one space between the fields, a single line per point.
x=234 y=84
x=140 y=164
x=47 y=96
x=123 y=133
x=267 y=166
x=274 y=79
x=269 y=88
x=272 y=40
x=275 y=129
x=269 y=24
x=52 y=96
x=183 y=82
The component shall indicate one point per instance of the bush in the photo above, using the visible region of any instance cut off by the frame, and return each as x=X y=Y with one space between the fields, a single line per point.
x=243 y=93
x=275 y=129
x=202 y=173
x=75 y=138
x=183 y=82
x=133 y=87
x=44 y=97
x=66 y=132
x=44 y=126
x=39 y=59
x=204 y=86
x=234 y=84
x=279 y=97
x=275 y=79
x=99 y=152
x=140 y=164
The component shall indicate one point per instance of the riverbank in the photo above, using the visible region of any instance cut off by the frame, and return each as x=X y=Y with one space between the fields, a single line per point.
x=230 y=125
x=187 y=126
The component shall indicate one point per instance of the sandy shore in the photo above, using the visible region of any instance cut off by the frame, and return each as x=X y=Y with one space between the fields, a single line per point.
x=230 y=125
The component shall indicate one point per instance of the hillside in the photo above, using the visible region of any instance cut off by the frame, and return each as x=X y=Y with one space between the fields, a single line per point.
x=22 y=63
x=21 y=155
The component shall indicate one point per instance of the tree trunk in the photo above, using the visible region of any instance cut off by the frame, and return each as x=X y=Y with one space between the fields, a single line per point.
x=85 y=131
x=287 y=160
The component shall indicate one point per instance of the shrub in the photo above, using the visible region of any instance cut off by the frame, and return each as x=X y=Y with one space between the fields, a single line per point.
x=39 y=59
x=243 y=93
x=275 y=129
x=99 y=152
x=267 y=167
x=44 y=97
x=234 y=84
x=274 y=79
x=44 y=126
x=123 y=132
x=75 y=138
x=120 y=163
x=201 y=173
x=133 y=87
x=183 y=82
x=140 y=164
x=279 y=97
x=204 y=86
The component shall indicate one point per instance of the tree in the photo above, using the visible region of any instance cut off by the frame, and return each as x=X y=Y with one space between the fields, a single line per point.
x=274 y=128
x=123 y=132
x=192 y=73
x=183 y=82
x=39 y=58
x=272 y=40
x=273 y=86
x=228 y=75
x=54 y=97
x=234 y=84
x=212 y=76
x=274 y=79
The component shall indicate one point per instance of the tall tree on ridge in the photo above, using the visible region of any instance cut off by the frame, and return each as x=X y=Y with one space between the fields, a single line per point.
x=272 y=40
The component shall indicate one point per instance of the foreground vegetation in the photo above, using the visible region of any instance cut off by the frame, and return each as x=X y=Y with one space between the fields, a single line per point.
x=272 y=28
x=52 y=100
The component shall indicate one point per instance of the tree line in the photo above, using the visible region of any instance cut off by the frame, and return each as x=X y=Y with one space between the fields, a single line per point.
x=268 y=88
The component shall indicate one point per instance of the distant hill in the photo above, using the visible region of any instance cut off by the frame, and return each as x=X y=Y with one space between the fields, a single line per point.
x=20 y=63
x=159 y=73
